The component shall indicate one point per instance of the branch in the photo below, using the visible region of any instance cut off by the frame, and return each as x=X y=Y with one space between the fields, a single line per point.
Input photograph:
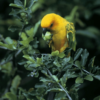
x=84 y=70
x=60 y=85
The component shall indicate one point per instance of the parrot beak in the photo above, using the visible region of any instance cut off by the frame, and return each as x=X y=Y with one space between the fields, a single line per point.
x=44 y=30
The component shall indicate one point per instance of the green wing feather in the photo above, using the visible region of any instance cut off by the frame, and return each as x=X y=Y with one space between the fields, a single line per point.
x=71 y=35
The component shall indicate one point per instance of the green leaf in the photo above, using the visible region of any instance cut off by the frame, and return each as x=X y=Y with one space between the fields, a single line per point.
x=13 y=28
x=44 y=72
x=89 y=78
x=97 y=98
x=18 y=2
x=26 y=42
x=36 y=6
x=15 y=84
x=29 y=58
x=8 y=46
x=15 y=5
x=22 y=63
x=9 y=57
x=84 y=57
x=33 y=31
x=39 y=62
x=79 y=80
x=6 y=68
x=65 y=61
x=69 y=65
x=54 y=90
x=77 y=63
x=31 y=3
x=91 y=63
x=56 y=63
x=46 y=80
x=86 y=33
x=55 y=78
x=30 y=32
x=93 y=30
x=40 y=86
x=97 y=77
x=60 y=96
x=10 y=96
x=55 y=53
x=23 y=35
x=61 y=55
x=8 y=40
x=64 y=79
x=78 y=53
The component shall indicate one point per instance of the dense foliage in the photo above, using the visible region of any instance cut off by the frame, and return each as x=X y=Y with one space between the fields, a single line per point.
x=28 y=68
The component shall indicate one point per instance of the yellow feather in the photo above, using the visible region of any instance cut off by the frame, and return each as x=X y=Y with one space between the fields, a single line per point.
x=57 y=26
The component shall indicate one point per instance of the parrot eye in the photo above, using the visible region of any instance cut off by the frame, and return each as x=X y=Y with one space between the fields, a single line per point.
x=51 y=25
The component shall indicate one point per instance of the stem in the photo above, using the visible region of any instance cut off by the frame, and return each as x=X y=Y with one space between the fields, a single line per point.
x=24 y=3
x=84 y=70
x=60 y=85
x=19 y=36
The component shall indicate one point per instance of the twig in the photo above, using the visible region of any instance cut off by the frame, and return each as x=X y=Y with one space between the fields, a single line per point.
x=84 y=70
x=19 y=35
x=60 y=85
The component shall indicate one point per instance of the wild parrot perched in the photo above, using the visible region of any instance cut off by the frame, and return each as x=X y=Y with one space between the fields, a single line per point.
x=62 y=31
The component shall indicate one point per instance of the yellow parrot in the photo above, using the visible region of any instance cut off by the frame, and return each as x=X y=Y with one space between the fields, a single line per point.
x=63 y=32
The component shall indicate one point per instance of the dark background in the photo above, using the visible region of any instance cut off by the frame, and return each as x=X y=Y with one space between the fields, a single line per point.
x=87 y=24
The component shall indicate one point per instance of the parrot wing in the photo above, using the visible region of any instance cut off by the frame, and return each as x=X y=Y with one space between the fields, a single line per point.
x=71 y=35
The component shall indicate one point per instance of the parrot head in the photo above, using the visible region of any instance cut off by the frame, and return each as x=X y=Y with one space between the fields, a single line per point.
x=49 y=22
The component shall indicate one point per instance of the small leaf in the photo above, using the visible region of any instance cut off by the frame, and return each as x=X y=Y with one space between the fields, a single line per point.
x=78 y=64
x=12 y=28
x=55 y=53
x=40 y=86
x=89 y=78
x=15 y=5
x=60 y=96
x=31 y=3
x=57 y=63
x=18 y=2
x=55 y=78
x=84 y=57
x=36 y=25
x=86 y=33
x=97 y=77
x=23 y=36
x=91 y=63
x=10 y=96
x=78 y=53
x=61 y=55
x=54 y=90
x=69 y=65
x=9 y=40
x=29 y=58
x=79 y=80
x=15 y=84
x=39 y=62
x=46 y=80
x=22 y=63
x=65 y=61
x=97 y=98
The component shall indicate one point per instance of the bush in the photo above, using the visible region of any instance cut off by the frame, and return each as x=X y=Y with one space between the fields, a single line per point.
x=29 y=74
